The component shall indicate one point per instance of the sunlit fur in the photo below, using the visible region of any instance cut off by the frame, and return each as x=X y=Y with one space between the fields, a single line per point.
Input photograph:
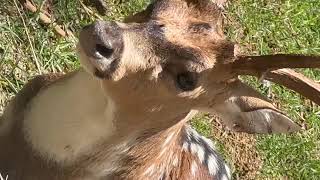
x=131 y=122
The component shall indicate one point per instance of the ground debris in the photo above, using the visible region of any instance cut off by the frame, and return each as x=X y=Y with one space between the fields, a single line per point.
x=240 y=149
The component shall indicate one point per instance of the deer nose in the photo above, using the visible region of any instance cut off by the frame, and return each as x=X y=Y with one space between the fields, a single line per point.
x=102 y=40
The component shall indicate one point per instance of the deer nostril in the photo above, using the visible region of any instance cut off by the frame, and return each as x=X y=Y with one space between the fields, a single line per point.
x=104 y=50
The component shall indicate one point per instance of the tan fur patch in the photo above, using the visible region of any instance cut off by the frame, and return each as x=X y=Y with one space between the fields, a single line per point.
x=79 y=115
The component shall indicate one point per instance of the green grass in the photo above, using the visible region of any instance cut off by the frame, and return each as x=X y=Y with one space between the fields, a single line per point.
x=292 y=26
x=259 y=26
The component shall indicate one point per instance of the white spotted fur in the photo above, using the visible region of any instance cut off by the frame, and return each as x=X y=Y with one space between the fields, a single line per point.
x=212 y=164
x=194 y=168
x=201 y=147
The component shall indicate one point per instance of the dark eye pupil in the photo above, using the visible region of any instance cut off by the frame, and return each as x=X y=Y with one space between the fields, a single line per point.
x=186 y=81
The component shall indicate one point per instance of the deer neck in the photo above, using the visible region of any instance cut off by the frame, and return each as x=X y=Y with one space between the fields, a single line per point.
x=139 y=154
x=74 y=118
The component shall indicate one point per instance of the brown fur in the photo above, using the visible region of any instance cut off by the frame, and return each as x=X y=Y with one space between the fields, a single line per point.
x=21 y=162
x=170 y=38
x=18 y=161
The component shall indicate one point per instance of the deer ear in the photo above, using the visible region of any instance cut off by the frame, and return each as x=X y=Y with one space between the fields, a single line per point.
x=248 y=111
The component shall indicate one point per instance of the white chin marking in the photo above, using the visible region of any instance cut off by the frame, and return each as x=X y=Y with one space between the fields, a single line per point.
x=68 y=118
x=213 y=165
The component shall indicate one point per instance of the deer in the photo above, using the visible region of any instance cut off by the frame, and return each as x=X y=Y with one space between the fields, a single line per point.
x=124 y=113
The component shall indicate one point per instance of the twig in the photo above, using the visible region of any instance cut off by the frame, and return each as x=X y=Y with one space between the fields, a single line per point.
x=43 y=15
x=89 y=11
x=100 y=6
x=28 y=36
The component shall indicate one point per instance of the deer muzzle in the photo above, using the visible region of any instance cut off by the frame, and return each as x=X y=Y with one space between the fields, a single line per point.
x=102 y=43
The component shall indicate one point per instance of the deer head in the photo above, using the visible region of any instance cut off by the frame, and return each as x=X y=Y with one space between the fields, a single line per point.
x=173 y=57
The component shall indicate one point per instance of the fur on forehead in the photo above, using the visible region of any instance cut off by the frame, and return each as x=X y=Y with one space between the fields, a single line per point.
x=202 y=10
x=178 y=15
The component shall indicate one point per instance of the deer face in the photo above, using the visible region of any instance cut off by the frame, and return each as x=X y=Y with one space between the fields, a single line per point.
x=170 y=59
x=174 y=50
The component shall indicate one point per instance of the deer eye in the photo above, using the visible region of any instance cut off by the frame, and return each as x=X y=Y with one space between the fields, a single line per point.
x=186 y=81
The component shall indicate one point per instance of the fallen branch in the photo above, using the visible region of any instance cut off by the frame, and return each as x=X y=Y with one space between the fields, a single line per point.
x=45 y=18
x=29 y=40
x=89 y=11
